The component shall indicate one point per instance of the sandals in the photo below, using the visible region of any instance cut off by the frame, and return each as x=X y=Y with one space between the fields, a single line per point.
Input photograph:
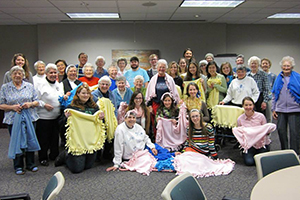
x=19 y=171
x=34 y=169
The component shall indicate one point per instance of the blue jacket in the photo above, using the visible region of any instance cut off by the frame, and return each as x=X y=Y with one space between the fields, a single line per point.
x=97 y=94
x=119 y=99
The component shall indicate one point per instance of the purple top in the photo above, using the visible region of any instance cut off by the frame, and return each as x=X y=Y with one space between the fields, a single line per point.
x=286 y=102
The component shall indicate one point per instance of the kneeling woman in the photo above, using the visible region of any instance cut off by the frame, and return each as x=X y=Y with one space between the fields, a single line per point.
x=201 y=137
x=129 y=137
x=83 y=102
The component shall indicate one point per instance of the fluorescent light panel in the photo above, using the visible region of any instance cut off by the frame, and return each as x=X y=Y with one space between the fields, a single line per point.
x=211 y=3
x=93 y=15
x=285 y=16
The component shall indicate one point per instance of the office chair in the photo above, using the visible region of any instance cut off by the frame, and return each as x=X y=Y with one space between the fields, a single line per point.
x=269 y=162
x=183 y=187
x=52 y=189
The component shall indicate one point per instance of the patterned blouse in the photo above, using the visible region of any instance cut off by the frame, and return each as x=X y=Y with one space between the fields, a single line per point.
x=10 y=95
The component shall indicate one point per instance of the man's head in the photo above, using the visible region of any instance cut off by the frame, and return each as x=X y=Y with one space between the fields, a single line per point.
x=134 y=63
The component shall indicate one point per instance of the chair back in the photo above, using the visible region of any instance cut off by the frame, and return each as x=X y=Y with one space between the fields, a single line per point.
x=54 y=186
x=269 y=162
x=183 y=187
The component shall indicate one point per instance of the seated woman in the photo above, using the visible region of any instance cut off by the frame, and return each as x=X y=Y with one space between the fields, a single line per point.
x=167 y=108
x=138 y=85
x=255 y=136
x=201 y=137
x=88 y=71
x=193 y=101
x=121 y=93
x=82 y=102
x=129 y=137
x=226 y=71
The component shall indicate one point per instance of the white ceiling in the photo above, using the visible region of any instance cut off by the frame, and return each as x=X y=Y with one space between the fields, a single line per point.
x=18 y=12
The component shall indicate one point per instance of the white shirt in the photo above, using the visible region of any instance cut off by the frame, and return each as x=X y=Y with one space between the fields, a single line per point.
x=127 y=141
x=37 y=79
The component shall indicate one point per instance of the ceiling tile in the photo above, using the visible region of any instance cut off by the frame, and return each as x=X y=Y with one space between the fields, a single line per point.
x=15 y=10
x=256 y=4
x=7 y=4
x=44 y=10
x=35 y=4
x=54 y=16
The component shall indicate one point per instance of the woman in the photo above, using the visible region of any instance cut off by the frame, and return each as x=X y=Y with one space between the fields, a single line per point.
x=240 y=88
x=138 y=85
x=201 y=137
x=71 y=81
x=100 y=71
x=182 y=67
x=47 y=128
x=39 y=66
x=61 y=67
x=262 y=81
x=20 y=60
x=89 y=78
x=121 y=93
x=226 y=71
x=202 y=65
x=216 y=84
x=167 y=109
x=121 y=63
x=18 y=98
x=266 y=65
x=112 y=71
x=252 y=119
x=193 y=101
x=286 y=104
x=189 y=56
x=129 y=137
x=83 y=102
x=173 y=72
x=209 y=57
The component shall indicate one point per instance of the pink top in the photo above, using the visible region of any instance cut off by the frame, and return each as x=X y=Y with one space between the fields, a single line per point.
x=256 y=119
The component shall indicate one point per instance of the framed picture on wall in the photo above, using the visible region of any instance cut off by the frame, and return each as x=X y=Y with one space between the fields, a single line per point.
x=143 y=56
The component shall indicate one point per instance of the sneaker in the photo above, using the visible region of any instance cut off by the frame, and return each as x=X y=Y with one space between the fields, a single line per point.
x=44 y=163
x=19 y=171
x=60 y=159
x=33 y=169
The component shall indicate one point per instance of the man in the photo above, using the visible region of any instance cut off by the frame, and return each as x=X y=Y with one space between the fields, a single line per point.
x=100 y=71
x=134 y=71
x=240 y=59
x=152 y=60
x=82 y=58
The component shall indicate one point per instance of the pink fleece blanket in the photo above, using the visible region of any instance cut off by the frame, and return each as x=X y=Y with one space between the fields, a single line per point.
x=142 y=162
x=171 y=136
x=253 y=136
x=201 y=166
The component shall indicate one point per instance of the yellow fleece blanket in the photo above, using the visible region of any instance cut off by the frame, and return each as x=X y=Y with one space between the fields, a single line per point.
x=213 y=97
x=85 y=133
x=110 y=119
x=226 y=116
x=201 y=90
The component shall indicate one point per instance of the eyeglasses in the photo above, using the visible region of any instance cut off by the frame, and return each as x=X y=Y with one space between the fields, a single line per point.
x=105 y=84
x=195 y=116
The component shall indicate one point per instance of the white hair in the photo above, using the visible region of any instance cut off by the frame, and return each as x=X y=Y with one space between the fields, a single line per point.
x=290 y=59
x=100 y=58
x=88 y=65
x=139 y=77
x=16 y=68
x=252 y=59
x=50 y=66
x=37 y=63
x=104 y=78
x=162 y=61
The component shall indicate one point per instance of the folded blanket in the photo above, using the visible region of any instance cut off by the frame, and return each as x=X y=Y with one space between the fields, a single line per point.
x=226 y=116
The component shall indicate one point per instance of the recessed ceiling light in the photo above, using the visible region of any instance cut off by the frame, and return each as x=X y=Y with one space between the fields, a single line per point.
x=211 y=3
x=285 y=16
x=93 y=15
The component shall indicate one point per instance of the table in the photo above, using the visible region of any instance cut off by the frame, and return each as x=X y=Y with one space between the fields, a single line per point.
x=281 y=184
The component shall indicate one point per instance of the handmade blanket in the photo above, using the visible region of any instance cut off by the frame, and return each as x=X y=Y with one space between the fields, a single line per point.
x=85 y=132
x=253 y=136
x=201 y=90
x=226 y=116
x=213 y=97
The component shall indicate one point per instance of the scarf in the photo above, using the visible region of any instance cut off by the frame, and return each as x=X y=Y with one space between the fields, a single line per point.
x=293 y=86
x=213 y=97
x=23 y=135
x=85 y=132
x=195 y=103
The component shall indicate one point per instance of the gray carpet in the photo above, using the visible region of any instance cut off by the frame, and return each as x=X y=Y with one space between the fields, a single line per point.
x=96 y=183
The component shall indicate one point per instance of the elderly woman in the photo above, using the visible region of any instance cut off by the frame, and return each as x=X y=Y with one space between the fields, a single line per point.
x=121 y=93
x=203 y=65
x=262 y=81
x=39 y=67
x=173 y=71
x=100 y=71
x=216 y=85
x=286 y=104
x=89 y=78
x=138 y=84
x=20 y=60
x=121 y=63
x=71 y=81
x=18 y=99
x=47 y=128
x=112 y=71
x=61 y=68
x=209 y=57
x=129 y=137
x=240 y=88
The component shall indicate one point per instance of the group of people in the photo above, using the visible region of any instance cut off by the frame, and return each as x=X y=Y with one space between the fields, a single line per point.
x=139 y=101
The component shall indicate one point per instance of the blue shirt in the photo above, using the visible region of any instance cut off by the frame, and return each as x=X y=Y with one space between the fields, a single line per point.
x=100 y=75
x=10 y=95
x=130 y=75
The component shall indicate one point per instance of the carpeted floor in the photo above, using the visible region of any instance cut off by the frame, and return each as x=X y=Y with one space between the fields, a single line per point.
x=96 y=183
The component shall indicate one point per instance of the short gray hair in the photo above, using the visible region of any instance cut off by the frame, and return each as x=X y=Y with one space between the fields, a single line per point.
x=162 y=61
x=121 y=78
x=100 y=58
x=88 y=65
x=209 y=54
x=139 y=77
x=241 y=67
x=111 y=66
x=203 y=62
x=16 y=68
x=50 y=66
x=37 y=63
x=289 y=59
x=104 y=78
x=254 y=58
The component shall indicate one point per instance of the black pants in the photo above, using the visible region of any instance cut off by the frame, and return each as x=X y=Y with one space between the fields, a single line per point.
x=249 y=156
x=77 y=164
x=47 y=134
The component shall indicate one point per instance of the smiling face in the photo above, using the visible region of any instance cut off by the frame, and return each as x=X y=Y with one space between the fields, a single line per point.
x=254 y=66
x=212 y=70
x=286 y=68
x=84 y=95
x=88 y=72
x=248 y=107
x=192 y=91
x=17 y=76
x=138 y=84
x=225 y=69
x=265 y=65
x=134 y=64
x=83 y=59
x=122 y=65
x=20 y=61
x=173 y=70
x=100 y=63
x=193 y=69
x=130 y=120
x=188 y=54
x=72 y=73
x=239 y=61
x=195 y=117
x=138 y=100
x=153 y=61
x=52 y=74
x=121 y=85
x=161 y=69
x=104 y=86
x=241 y=74
x=40 y=69
x=209 y=58
x=182 y=65
x=61 y=67
x=167 y=102
x=113 y=71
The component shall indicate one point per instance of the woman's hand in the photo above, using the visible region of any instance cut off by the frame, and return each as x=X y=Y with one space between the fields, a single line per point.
x=101 y=115
x=221 y=103
x=48 y=107
x=275 y=115
x=17 y=108
x=154 y=151
x=177 y=153
x=174 y=121
x=66 y=96
x=27 y=105
x=67 y=114
x=113 y=168
x=263 y=105
x=150 y=109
